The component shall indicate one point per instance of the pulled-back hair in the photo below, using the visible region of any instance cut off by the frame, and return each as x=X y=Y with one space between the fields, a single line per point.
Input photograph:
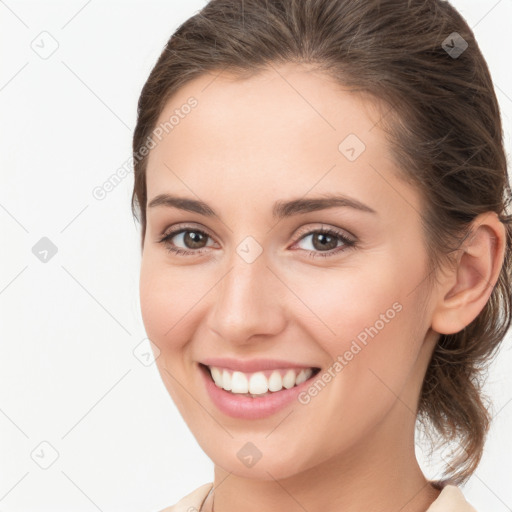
x=443 y=125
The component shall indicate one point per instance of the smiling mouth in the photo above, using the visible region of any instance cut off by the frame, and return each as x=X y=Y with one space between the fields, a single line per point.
x=260 y=383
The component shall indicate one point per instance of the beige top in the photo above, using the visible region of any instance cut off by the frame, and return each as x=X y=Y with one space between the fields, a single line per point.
x=450 y=499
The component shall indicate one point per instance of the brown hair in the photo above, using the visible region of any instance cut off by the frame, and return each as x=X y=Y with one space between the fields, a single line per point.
x=444 y=128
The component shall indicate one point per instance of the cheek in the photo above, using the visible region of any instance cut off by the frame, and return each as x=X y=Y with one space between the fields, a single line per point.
x=365 y=322
x=366 y=317
x=161 y=300
x=172 y=301
x=164 y=310
x=342 y=302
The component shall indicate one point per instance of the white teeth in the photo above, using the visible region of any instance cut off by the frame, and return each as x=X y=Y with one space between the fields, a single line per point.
x=289 y=379
x=257 y=383
x=216 y=375
x=239 y=383
x=302 y=377
x=226 y=380
x=275 y=383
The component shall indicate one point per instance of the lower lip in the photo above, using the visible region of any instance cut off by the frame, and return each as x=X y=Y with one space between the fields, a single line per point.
x=245 y=407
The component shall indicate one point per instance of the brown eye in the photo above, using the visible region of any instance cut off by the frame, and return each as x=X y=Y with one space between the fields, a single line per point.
x=324 y=242
x=192 y=240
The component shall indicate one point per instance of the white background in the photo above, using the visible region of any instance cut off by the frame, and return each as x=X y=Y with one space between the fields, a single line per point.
x=68 y=373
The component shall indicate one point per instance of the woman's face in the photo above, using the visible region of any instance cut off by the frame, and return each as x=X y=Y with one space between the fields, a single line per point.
x=263 y=282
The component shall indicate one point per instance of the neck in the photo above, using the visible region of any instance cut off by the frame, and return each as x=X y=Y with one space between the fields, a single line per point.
x=412 y=494
x=375 y=475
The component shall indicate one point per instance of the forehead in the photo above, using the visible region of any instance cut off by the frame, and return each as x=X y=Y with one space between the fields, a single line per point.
x=286 y=128
x=279 y=105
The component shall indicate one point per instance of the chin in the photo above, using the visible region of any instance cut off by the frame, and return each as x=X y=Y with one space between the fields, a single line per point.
x=253 y=456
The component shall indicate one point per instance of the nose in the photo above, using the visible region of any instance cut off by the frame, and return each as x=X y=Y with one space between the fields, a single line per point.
x=248 y=302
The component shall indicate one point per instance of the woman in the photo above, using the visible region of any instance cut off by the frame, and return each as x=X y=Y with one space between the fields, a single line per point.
x=326 y=249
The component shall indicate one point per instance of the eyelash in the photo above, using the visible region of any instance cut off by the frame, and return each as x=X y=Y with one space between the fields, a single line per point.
x=313 y=254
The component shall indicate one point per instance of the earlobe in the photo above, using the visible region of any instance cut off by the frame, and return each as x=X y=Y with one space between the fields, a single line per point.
x=468 y=286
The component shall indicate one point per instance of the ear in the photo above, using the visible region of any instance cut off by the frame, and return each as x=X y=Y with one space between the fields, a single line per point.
x=466 y=288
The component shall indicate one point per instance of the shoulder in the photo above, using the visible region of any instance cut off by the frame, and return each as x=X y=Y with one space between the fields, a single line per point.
x=191 y=502
x=451 y=499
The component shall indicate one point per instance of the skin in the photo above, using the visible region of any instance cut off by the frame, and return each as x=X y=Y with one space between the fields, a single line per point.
x=247 y=144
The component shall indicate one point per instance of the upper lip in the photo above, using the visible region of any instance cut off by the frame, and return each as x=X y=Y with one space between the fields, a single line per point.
x=252 y=365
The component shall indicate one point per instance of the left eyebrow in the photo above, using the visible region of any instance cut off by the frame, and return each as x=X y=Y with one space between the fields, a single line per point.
x=280 y=210
x=284 y=209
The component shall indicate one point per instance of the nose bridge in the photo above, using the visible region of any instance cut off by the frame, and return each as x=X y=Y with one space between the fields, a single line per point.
x=246 y=298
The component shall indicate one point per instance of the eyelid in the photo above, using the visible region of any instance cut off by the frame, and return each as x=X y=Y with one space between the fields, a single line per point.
x=349 y=240
x=184 y=226
x=306 y=230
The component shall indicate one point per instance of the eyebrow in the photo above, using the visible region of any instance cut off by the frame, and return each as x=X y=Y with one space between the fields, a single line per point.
x=280 y=210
